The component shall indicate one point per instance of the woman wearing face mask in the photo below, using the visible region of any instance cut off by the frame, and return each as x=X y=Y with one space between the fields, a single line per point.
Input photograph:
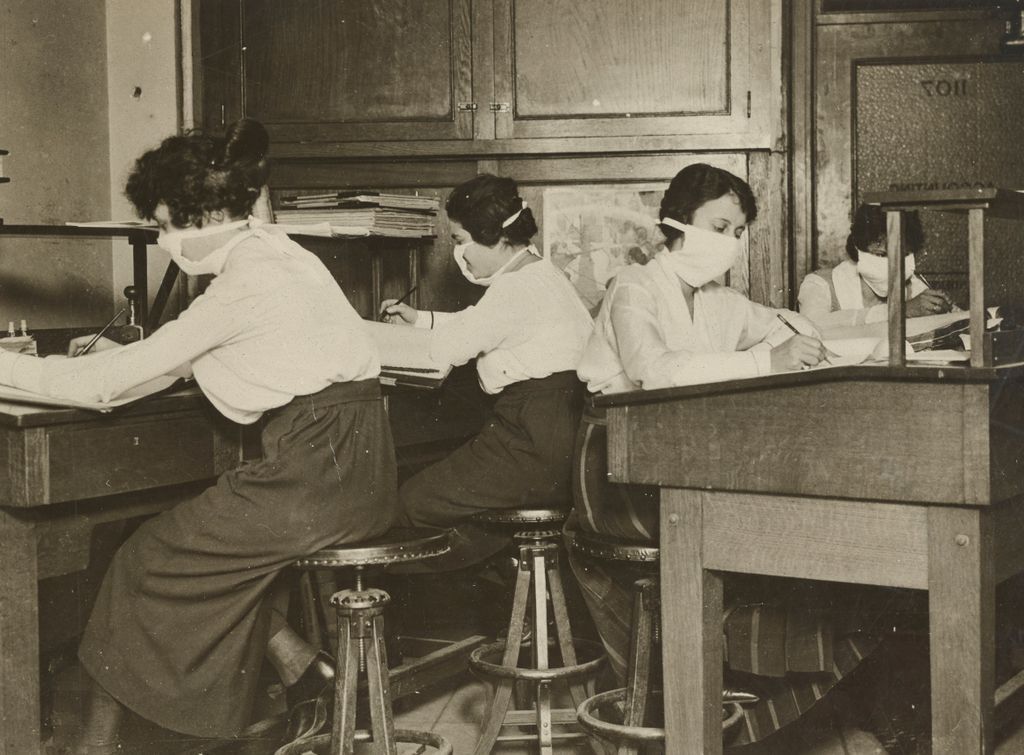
x=854 y=291
x=186 y=613
x=669 y=323
x=527 y=333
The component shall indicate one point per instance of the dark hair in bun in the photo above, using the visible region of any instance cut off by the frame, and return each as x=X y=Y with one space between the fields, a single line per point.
x=195 y=174
x=482 y=204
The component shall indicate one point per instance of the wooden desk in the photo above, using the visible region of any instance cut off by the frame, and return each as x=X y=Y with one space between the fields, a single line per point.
x=905 y=477
x=67 y=471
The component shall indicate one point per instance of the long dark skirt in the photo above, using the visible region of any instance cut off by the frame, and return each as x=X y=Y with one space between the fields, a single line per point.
x=789 y=642
x=522 y=458
x=180 y=627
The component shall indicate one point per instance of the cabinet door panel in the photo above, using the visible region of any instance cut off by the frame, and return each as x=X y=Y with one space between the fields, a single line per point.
x=355 y=70
x=606 y=68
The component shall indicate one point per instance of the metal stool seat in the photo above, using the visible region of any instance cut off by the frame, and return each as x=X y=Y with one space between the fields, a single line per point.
x=361 y=649
x=537 y=534
x=632 y=735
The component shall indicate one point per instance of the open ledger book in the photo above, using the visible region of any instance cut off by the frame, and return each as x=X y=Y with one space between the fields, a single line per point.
x=405 y=356
x=18 y=396
x=930 y=338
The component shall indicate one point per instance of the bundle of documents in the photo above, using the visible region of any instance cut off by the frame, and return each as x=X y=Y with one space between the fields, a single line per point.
x=405 y=356
x=361 y=214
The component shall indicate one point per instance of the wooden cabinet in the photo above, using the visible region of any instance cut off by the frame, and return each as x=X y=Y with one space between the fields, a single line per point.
x=358 y=71
x=606 y=68
x=490 y=76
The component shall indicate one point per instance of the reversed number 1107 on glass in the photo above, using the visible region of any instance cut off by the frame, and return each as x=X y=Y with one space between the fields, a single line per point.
x=944 y=87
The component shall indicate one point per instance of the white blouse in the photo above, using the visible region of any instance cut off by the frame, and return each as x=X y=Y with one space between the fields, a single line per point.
x=644 y=337
x=530 y=323
x=849 y=306
x=273 y=325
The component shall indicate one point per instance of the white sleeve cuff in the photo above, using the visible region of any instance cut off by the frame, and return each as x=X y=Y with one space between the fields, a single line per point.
x=762 y=360
x=7 y=361
x=424 y=319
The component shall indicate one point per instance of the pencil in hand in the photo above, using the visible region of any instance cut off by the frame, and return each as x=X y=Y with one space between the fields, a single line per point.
x=384 y=315
x=93 y=341
x=788 y=324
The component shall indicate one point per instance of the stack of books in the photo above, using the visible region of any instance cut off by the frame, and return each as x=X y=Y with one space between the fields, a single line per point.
x=359 y=214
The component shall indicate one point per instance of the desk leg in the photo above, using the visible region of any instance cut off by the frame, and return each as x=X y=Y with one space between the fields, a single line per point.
x=961 y=613
x=19 y=638
x=691 y=620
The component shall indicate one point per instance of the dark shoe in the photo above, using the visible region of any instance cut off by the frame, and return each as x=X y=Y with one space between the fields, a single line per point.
x=740 y=696
x=310 y=699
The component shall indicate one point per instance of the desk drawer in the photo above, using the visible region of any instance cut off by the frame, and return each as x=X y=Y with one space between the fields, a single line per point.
x=117 y=454
x=88 y=461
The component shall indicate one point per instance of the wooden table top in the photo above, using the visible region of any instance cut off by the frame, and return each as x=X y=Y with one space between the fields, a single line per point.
x=862 y=372
x=29 y=415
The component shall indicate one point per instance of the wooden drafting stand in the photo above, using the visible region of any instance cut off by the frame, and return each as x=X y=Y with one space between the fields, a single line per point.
x=976 y=204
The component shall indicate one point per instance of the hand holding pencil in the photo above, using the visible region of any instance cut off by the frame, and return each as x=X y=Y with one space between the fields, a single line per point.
x=396 y=310
x=84 y=344
x=799 y=352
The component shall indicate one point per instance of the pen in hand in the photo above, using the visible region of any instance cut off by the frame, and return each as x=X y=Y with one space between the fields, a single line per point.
x=789 y=325
x=92 y=341
x=406 y=295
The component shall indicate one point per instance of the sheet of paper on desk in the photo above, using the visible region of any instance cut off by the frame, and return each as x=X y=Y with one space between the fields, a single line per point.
x=915 y=326
x=849 y=351
x=405 y=355
x=938 y=356
x=18 y=396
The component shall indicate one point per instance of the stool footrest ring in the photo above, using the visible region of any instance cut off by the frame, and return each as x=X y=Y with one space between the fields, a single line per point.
x=321 y=743
x=621 y=734
x=486 y=668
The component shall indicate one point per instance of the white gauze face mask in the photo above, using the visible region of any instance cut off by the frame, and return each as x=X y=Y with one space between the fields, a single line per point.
x=459 y=253
x=193 y=261
x=704 y=256
x=875 y=271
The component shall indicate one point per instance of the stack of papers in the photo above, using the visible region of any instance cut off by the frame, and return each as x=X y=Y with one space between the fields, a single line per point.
x=405 y=356
x=361 y=214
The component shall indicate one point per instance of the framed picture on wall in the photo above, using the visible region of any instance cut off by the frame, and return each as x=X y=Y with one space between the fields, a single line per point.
x=592 y=232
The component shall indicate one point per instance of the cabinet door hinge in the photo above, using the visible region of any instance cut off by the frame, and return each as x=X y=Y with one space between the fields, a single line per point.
x=500 y=107
x=748 y=103
x=467 y=107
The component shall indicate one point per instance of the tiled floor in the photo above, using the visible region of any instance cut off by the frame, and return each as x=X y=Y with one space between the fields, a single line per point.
x=454 y=708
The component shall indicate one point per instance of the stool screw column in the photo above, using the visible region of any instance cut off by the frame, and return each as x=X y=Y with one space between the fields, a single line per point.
x=359 y=615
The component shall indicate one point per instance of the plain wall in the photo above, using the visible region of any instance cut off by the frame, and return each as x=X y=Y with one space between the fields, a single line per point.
x=85 y=88
x=143 y=108
x=53 y=120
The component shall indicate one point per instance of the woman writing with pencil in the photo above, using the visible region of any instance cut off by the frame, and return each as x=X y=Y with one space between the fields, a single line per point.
x=187 y=613
x=527 y=333
x=855 y=291
x=669 y=323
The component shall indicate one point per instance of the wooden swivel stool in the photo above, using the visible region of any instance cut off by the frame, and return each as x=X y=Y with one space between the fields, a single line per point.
x=537 y=534
x=633 y=736
x=361 y=650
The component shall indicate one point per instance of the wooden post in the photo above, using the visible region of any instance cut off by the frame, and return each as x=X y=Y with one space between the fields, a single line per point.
x=691 y=629
x=976 y=279
x=19 y=638
x=961 y=614
x=897 y=289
